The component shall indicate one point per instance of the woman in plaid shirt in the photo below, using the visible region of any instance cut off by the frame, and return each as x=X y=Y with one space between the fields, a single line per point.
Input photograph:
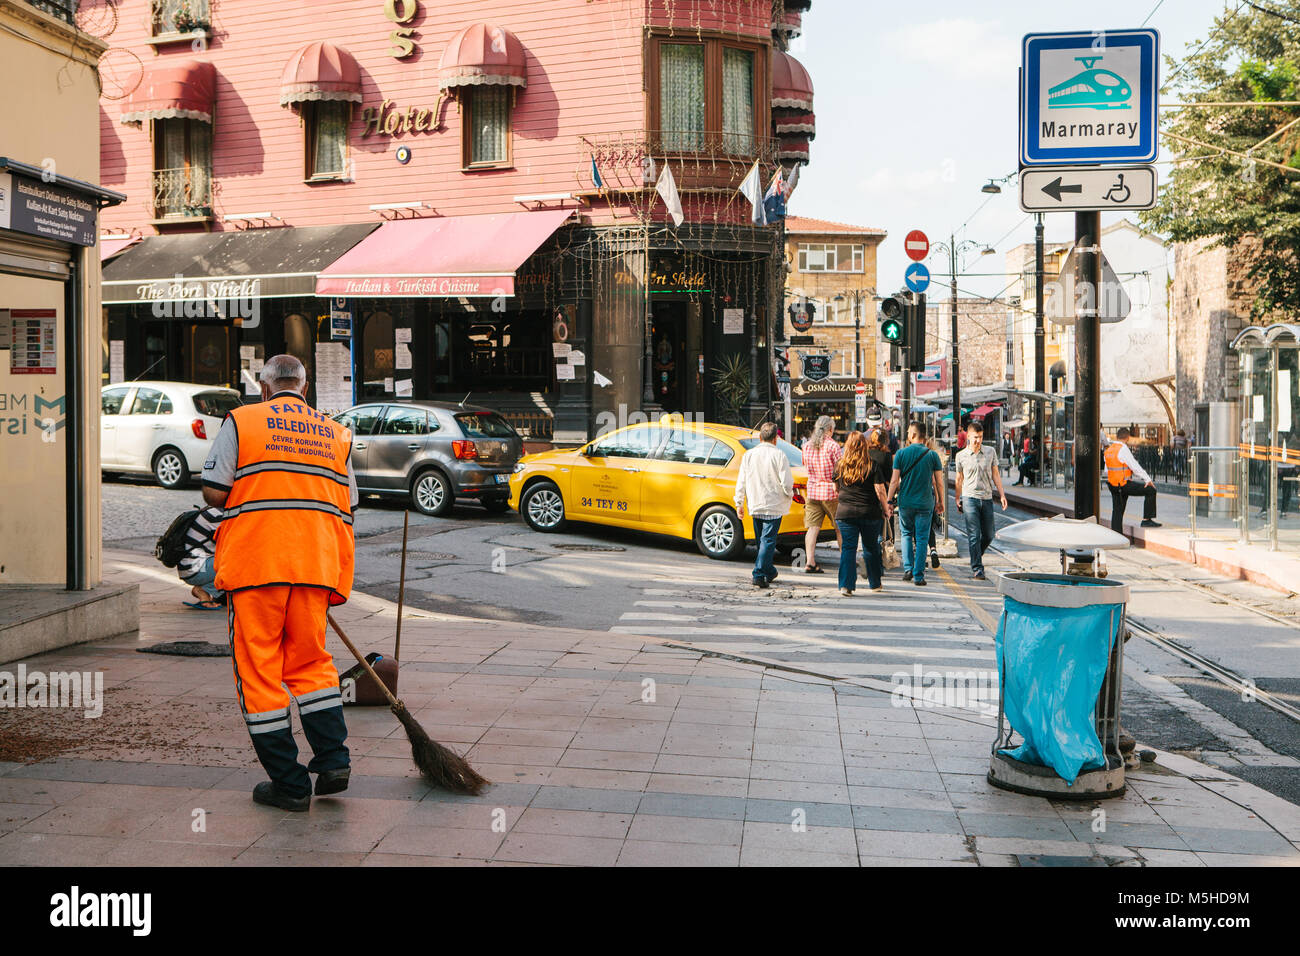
x=821 y=454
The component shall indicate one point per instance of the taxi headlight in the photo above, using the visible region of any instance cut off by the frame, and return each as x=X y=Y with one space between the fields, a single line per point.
x=519 y=467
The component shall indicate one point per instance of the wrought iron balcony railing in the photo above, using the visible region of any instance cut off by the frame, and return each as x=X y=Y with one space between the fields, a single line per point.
x=182 y=193
x=65 y=10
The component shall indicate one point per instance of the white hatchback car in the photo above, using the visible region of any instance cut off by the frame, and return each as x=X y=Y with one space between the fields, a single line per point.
x=161 y=428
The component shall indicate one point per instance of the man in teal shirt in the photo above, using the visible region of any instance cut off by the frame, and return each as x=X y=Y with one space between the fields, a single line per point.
x=918 y=481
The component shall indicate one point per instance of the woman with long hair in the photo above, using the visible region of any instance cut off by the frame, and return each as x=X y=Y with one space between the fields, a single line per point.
x=882 y=459
x=863 y=508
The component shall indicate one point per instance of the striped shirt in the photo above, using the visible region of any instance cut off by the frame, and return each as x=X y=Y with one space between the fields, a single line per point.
x=200 y=541
x=820 y=465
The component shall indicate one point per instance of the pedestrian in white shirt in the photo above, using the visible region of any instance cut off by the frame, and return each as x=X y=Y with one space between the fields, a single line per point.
x=766 y=485
x=1126 y=478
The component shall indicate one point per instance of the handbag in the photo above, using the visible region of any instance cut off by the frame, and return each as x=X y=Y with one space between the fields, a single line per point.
x=889 y=558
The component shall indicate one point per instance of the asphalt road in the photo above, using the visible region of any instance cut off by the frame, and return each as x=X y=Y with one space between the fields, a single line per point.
x=492 y=566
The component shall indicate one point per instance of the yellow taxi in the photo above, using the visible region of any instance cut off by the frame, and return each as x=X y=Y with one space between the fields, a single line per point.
x=668 y=477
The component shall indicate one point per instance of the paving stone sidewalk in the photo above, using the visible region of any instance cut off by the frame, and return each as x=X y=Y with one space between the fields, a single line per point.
x=606 y=749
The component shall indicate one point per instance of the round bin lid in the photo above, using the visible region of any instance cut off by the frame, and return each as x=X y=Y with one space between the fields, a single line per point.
x=1061 y=533
x=1061 y=590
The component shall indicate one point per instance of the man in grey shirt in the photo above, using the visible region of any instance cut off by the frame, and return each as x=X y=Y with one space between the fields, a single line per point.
x=977 y=477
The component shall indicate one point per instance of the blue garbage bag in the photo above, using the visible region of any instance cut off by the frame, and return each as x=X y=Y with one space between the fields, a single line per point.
x=1053 y=662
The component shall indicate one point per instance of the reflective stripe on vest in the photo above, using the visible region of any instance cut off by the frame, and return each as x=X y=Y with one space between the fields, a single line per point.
x=288 y=516
x=1117 y=473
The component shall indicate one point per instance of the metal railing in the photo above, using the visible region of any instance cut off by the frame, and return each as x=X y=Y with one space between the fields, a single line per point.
x=65 y=10
x=181 y=193
x=537 y=426
x=624 y=158
x=1163 y=462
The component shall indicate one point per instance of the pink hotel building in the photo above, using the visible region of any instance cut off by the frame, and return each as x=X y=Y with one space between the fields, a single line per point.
x=433 y=199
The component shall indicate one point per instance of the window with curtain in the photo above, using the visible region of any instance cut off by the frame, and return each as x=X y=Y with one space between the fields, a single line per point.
x=182 y=177
x=487 y=126
x=738 y=100
x=682 y=96
x=327 y=139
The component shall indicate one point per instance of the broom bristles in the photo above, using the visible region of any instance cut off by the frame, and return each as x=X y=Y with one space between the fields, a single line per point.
x=439 y=765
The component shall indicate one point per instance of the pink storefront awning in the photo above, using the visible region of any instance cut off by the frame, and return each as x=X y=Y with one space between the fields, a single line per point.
x=109 y=246
x=470 y=256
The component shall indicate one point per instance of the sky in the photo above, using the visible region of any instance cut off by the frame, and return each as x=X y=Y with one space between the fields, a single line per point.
x=917 y=109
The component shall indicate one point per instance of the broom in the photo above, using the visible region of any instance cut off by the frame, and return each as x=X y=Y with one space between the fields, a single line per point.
x=439 y=765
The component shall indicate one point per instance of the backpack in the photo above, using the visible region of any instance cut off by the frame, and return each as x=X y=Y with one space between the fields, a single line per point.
x=171 y=546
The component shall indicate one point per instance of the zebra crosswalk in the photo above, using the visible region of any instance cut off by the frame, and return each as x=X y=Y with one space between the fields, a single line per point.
x=802 y=620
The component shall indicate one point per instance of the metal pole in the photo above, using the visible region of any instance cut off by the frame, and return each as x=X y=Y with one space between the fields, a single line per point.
x=74 y=431
x=1040 y=348
x=956 y=360
x=1087 y=355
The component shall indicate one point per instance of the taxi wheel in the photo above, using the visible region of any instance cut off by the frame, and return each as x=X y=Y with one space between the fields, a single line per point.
x=719 y=534
x=543 y=507
x=431 y=493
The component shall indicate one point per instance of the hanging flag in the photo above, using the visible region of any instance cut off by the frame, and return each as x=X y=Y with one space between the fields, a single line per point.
x=667 y=189
x=791 y=181
x=752 y=189
x=774 y=198
x=595 y=175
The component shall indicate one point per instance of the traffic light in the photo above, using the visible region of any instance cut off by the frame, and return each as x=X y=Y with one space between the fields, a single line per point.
x=893 y=321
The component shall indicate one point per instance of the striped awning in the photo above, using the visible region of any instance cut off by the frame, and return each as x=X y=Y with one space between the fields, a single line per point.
x=483 y=55
x=320 y=71
x=185 y=89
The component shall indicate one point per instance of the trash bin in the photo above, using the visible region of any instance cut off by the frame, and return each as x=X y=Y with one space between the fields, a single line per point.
x=1060 y=667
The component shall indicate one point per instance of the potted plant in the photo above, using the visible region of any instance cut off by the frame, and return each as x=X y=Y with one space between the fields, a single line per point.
x=185 y=20
x=731 y=384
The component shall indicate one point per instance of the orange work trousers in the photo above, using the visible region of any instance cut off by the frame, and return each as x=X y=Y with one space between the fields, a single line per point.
x=277 y=635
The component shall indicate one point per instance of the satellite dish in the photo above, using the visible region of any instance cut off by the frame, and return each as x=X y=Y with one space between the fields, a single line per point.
x=1061 y=533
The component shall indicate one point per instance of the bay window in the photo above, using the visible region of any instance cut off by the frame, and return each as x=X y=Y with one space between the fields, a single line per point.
x=703 y=94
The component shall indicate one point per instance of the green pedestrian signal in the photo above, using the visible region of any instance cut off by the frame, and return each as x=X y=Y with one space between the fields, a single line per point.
x=891 y=330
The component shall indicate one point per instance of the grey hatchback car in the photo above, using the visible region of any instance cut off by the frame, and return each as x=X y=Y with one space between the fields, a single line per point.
x=433 y=452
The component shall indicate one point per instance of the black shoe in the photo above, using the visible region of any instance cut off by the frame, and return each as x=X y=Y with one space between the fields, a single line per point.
x=978 y=576
x=775 y=575
x=907 y=575
x=934 y=559
x=332 y=781
x=269 y=794
x=1148 y=523
x=919 y=582
x=760 y=583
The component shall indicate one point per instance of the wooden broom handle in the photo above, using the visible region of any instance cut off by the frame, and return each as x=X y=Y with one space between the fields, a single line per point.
x=401 y=587
x=393 y=701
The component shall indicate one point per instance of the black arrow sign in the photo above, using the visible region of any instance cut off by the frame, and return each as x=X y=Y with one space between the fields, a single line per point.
x=1054 y=188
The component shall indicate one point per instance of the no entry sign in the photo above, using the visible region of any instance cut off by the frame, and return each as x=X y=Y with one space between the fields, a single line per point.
x=916 y=245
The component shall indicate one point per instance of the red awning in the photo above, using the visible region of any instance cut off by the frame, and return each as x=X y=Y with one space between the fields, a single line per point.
x=184 y=89
x=482 y=55
x=985 y=409
x=790 y=23
x=788 y=122
x=791 y=85
x=109 y=246
x=470 y=256
x=320 y=71
x=793 y=147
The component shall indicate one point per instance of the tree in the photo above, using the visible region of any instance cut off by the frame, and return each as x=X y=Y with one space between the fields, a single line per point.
x=1222 y=187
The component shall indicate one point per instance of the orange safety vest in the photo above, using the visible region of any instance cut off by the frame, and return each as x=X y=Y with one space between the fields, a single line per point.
x=1117 y=473
x=289 y=514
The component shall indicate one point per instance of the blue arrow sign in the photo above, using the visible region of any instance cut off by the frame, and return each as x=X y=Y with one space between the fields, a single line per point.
x=917 y=277
x=1089 y=97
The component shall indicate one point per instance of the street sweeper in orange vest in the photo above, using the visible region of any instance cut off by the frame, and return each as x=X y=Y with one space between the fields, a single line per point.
x=282 y=472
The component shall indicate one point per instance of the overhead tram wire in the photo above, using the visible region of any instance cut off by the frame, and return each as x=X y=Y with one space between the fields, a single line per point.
x=1159 y=4
x=1204 y=43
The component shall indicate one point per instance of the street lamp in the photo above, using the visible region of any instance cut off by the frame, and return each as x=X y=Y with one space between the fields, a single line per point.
x=955 y=249
x=856 y=296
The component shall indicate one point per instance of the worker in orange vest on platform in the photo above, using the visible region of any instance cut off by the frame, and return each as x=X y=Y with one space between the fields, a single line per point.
x=283 y=473
x=1126 y=478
